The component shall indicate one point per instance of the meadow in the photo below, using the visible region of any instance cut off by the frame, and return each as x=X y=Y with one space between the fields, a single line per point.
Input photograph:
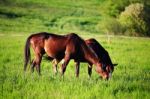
x=20 y=18
x=130 y=78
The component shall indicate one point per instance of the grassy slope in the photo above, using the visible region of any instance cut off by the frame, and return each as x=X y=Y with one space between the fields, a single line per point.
x=130 y=79
x=49 y=15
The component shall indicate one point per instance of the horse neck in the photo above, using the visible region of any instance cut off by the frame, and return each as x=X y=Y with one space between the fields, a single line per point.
x=90 y=55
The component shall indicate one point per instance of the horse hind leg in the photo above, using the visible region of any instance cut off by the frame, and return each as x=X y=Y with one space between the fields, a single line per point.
x=33 y=65
x=38 y=63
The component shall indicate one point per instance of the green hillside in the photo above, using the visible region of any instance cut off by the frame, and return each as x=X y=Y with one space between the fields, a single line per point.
x=49 y=15
x=61 y=16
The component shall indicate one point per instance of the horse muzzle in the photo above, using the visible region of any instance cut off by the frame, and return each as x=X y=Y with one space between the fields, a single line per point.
x=110 y=75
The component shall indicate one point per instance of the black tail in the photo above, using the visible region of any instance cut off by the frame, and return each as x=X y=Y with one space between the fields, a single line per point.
x=27 y=55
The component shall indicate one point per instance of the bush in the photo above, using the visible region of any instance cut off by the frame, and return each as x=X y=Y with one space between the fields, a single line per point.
x=109 y=26
x=134 y=20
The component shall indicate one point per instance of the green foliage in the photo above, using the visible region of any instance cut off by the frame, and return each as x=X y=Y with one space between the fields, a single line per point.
x=134 y=21
x=110 y=26
x=125 y=25
x=112 y=9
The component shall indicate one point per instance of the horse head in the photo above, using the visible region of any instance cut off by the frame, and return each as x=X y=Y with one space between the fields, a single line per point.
x=105 y=70
x=110 y=68
x=107 y=64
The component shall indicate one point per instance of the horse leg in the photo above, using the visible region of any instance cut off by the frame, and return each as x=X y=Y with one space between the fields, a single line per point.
x=54 y=66
x=55 y=63
x=89 y=70
x=77 y=68
x=65 y=62
x=38 y=62
x=32 y=66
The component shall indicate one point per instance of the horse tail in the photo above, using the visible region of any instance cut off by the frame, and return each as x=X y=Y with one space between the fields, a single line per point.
x=27 y=55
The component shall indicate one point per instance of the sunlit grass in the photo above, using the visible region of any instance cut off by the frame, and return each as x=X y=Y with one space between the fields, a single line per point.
x=49 y=15
x=130 y=78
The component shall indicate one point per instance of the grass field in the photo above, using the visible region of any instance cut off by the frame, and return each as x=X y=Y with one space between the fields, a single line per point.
x=130 y=79
x=20 y=18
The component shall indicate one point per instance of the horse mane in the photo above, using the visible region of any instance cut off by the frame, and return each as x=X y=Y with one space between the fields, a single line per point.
x=100 y=51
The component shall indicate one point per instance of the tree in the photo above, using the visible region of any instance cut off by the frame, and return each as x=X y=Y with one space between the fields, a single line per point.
x=134 y=20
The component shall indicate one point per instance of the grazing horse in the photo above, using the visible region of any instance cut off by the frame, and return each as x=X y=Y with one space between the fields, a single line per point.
x=65 y=47
x=102 y=54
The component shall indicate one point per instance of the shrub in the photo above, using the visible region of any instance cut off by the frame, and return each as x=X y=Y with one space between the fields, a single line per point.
x=109 y=26
x=134 y=20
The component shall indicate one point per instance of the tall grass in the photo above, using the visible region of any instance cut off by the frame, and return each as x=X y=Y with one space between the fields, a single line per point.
x=130 y=78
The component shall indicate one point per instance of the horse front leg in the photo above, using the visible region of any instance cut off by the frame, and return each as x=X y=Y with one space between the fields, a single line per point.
x=77 y=68
x=65 y=62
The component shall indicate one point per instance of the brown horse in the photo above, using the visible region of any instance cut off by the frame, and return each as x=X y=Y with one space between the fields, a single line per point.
x=100 y=52
x=59 y=47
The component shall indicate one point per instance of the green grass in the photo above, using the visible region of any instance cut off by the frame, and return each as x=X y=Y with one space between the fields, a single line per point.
x=49 y=15
x=130 y=79
x=19 y=18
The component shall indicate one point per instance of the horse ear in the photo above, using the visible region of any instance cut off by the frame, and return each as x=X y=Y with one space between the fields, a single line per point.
x=115 y=64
